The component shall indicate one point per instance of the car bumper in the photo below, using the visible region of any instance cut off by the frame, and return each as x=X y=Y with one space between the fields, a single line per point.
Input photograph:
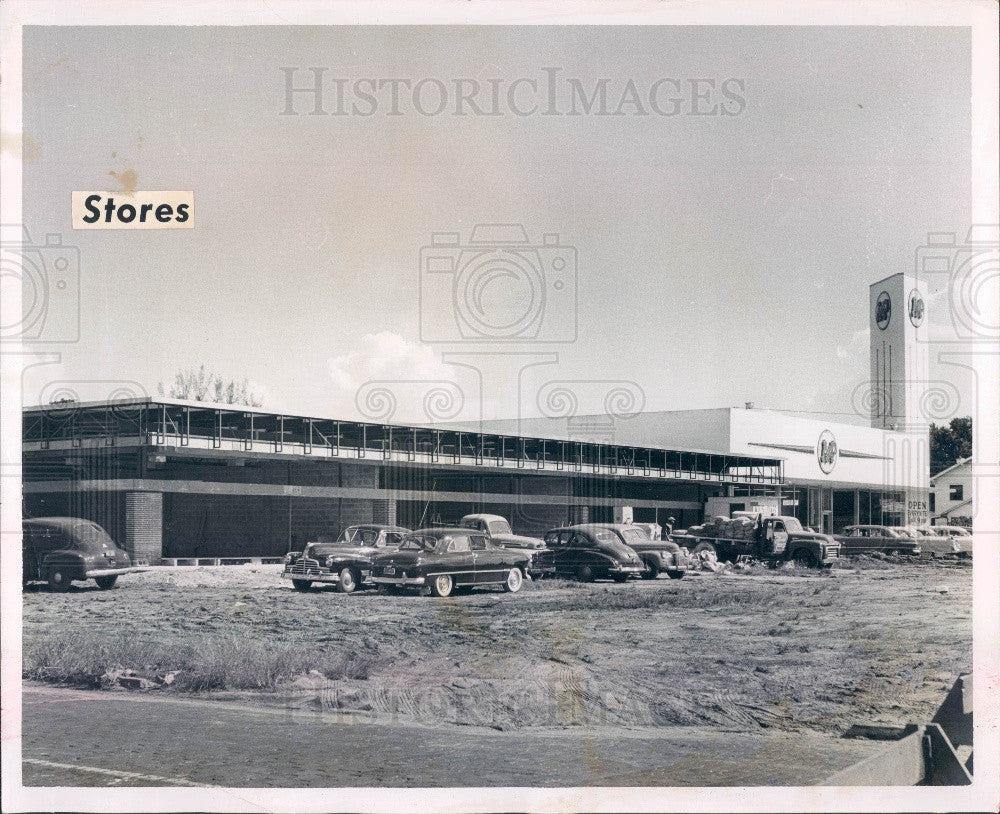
x=311 y=576
x=112 y=572
x=627 y=569
x=399 y=580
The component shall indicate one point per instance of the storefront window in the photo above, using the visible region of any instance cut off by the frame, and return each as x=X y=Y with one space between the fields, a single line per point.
x=843 y=509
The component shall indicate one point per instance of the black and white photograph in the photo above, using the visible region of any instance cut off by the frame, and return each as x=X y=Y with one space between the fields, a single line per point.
x=474 y=406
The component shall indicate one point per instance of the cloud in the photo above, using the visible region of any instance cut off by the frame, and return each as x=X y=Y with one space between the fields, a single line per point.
x=385 y=355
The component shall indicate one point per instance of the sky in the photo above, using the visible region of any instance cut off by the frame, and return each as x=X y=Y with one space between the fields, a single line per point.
x=706 y=260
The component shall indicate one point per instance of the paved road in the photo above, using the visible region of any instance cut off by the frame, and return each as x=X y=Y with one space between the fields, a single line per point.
x=81 y=738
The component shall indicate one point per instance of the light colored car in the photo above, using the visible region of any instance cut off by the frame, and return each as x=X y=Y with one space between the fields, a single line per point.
x=958 y=533
x=936 y=545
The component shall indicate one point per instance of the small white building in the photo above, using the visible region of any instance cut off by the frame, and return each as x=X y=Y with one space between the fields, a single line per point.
x=951 y=495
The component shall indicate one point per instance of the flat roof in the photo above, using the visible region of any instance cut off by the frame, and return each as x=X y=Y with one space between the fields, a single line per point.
x=159 y=421
x=148 y=401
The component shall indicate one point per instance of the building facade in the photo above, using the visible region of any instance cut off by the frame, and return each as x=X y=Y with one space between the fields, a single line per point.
x=835 y=475
x=175 y=480
x=951 y=495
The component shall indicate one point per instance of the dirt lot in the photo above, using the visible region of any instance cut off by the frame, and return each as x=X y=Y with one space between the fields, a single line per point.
x=792 y=651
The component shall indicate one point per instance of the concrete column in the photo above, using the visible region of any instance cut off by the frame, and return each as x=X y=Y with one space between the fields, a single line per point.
x=144 y=525
x=623 y=514
x=384 y=511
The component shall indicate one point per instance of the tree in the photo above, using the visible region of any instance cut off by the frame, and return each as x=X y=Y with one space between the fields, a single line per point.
x=950 y=442
x=206 y=385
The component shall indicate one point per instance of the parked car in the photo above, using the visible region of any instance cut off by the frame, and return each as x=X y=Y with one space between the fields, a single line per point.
x=62 y=550
x=448 y=560
x=876 y=539
x=960 y=534
x=498 y=530
x=951 y=531
x=936 y=545
x=346 y=562
x=657 y=555
x=592 y=551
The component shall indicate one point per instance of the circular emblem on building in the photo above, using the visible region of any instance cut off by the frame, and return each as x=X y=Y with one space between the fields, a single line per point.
x=915 y=308
x=827 y=452
x=883 y=310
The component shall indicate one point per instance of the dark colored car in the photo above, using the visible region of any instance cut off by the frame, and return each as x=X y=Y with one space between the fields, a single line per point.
x=346 y=562
x=450 y=559
x=500 y=533
x=876 y=539
x=592 y=551
x=61 y=550
x=656 y=555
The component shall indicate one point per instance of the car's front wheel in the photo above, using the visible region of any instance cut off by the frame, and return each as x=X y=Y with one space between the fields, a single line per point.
x=514 y=581
x=620 y=577
x=805 y=558
x=651 y=568
x=349 y=580
x=676 y=574
x=442 y=585
x=301 y=584
x=106 y=583
x=59 y=580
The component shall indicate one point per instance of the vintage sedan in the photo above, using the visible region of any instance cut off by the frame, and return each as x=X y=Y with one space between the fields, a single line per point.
x=867 y=539
x=500 y=533
x=657 y=555
x=958 y=538
x=930 y=543
x=346 y=562
x=62 y=550
x=447 y=560
x=593 y=551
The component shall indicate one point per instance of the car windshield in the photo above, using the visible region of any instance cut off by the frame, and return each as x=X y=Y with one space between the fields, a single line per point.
x=499 y=527
x=419 y=542
x=636 y=535
x=890 y=532
x=605 y=536
x=356 y=535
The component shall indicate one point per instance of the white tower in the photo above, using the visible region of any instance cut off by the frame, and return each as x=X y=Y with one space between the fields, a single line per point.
x=900 y=388
x=898 y=324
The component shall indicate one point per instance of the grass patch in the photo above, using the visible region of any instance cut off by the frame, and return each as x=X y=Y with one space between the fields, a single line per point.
x=211 y=662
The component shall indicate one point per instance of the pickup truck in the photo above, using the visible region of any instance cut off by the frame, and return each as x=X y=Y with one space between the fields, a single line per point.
x=499 y=532
x=775 y=539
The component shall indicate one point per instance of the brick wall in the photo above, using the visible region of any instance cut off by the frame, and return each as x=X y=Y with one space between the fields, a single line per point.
x=143 y=536
x=384 y=511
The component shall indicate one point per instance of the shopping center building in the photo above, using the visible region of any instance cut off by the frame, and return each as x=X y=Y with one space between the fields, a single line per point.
x=174 y=479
